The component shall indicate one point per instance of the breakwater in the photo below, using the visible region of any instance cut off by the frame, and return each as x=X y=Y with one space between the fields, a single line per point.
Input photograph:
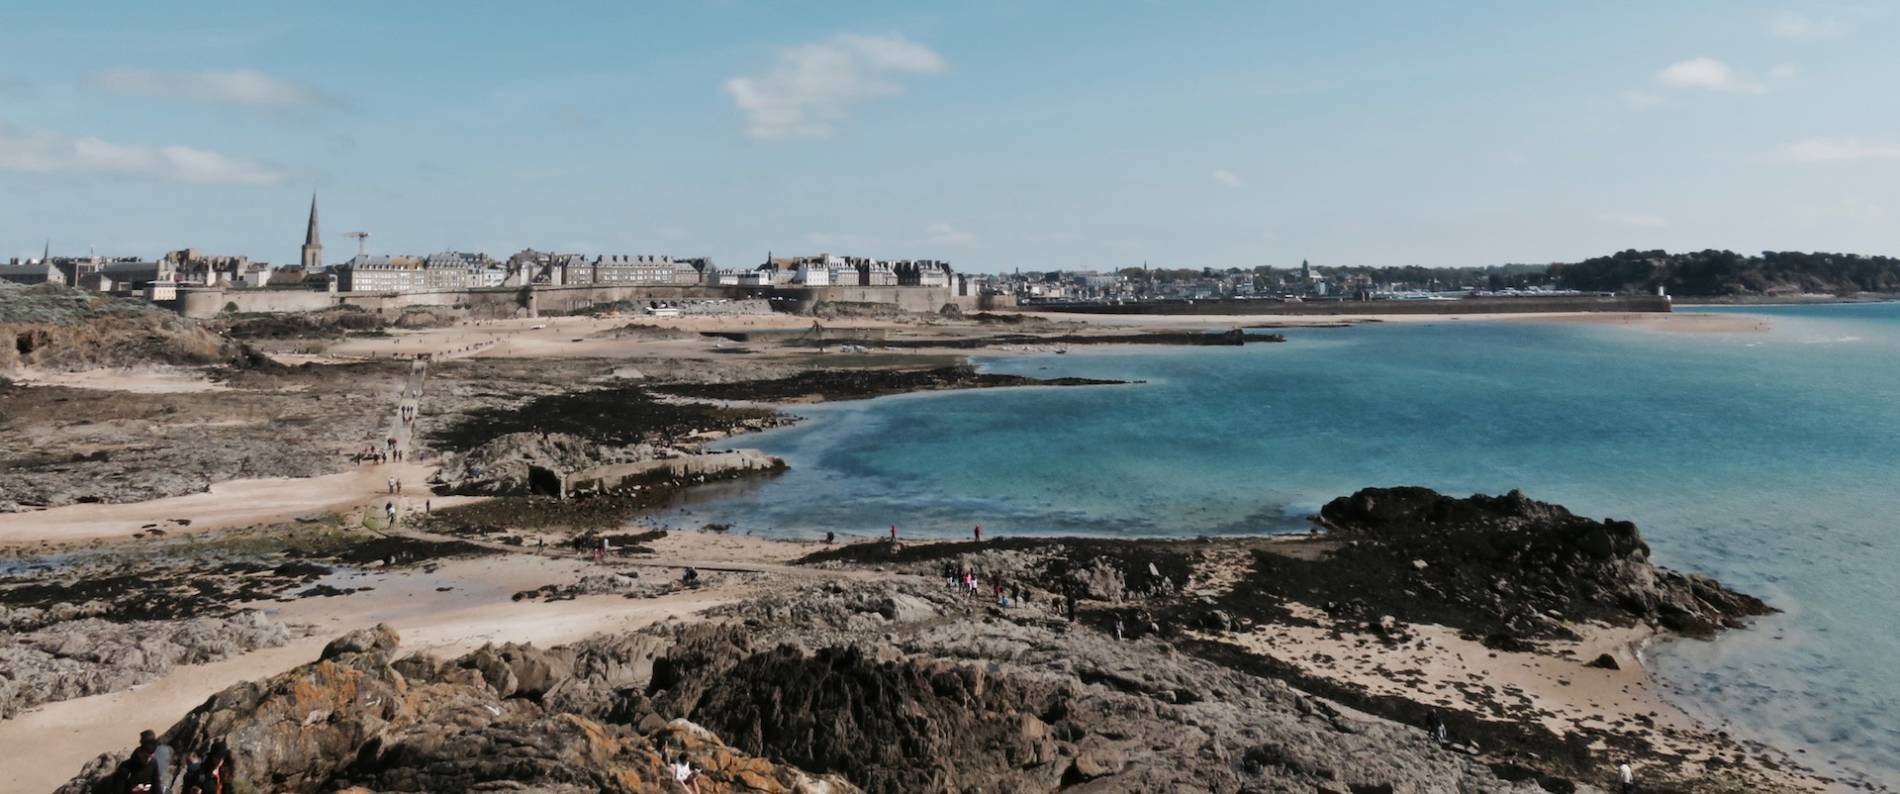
x=1540 y=305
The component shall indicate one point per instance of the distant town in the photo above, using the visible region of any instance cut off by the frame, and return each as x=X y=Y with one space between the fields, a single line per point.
x=159 y=279
x=1653 y=273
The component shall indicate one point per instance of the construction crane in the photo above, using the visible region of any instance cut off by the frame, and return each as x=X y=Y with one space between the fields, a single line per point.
x=360 y=237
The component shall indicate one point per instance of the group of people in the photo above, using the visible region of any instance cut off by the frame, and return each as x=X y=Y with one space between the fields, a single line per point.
x=969 y=581
x=387 y=452
x=149 y=770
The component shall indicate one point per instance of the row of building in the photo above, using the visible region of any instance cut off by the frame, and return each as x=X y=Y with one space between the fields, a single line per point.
x=455 y=270
x=159 y=278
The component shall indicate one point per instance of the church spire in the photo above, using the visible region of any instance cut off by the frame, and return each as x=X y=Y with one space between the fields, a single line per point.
x=312 y=242
x=310 y=234
x=46 y=254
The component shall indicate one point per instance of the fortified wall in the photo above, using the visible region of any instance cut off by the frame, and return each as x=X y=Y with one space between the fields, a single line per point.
x=499 y=302
x=1554 y=303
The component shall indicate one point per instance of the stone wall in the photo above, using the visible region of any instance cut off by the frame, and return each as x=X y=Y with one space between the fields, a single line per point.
x=501 y=302
x=910 y=299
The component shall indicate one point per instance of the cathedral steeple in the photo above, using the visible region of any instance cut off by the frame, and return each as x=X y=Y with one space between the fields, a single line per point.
x=312 y=242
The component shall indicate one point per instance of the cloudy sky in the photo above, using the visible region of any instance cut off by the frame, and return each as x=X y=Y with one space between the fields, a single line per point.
x=995 y=135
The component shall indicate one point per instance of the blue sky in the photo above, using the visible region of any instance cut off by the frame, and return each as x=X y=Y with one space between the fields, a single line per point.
x=994 y=135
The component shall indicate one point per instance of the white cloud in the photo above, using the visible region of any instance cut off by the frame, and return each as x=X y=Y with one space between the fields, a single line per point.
x=1798 y=27
x=53 y=153
x=1636 y=219
x=1226 y=177
x=1833 y=150
x=1707 y=74
x=812 y=86
x=240 y=87
x=1642 y=99
x=945 y=234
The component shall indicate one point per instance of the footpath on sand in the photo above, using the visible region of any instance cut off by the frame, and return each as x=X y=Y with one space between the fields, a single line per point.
x=240 y=503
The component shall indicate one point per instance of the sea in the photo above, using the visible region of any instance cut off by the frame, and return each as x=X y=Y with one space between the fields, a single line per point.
x=1768 y=458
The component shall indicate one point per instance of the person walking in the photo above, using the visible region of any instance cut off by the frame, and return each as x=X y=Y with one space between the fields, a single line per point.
x=1626 y=776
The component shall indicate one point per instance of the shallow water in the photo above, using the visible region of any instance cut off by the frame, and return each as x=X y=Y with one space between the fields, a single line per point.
x=1766 y=460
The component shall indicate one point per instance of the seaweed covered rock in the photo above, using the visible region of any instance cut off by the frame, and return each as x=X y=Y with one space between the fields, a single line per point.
x=1526 y=563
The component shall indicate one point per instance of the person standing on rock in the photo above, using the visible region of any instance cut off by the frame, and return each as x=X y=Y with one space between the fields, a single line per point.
x=979 y=534
x=212 y=775
x=684 y=775
x=161 y=758
x=1627 y=777
x=139 y=774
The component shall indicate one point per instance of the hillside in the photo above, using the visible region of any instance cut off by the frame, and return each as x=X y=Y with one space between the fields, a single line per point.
x=1715 y=273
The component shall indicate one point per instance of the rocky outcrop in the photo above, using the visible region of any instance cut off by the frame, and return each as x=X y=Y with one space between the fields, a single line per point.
x=1526 y=563
x=359 y=719
x=906 y=690
x=60 y=328
x=914 y=690
x=52 y=655
x=517 y=464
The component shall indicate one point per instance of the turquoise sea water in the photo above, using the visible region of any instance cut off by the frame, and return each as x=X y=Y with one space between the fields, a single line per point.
x=1769 y=460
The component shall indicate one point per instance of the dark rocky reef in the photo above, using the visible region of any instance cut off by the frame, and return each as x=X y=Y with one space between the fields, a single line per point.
x=1515 y=564
x=855 y=384
x=1229 y=338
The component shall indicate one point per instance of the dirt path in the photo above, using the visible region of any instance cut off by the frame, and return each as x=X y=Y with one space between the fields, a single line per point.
x=236 y=503
x=239 y=503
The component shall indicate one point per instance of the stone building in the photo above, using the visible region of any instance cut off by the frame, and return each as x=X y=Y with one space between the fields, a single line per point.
x=923 y=273
x=876 y=273
x=31 y=272
x=642 y=270
x=193 y=267
x=382 y=273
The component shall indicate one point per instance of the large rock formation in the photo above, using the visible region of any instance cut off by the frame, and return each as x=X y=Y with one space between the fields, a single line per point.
x=61 y=328
x=907 y=691
x=1523 y=562
x=358 y=718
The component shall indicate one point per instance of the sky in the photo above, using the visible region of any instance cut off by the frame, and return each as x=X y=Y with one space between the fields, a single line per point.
x=995 y=135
